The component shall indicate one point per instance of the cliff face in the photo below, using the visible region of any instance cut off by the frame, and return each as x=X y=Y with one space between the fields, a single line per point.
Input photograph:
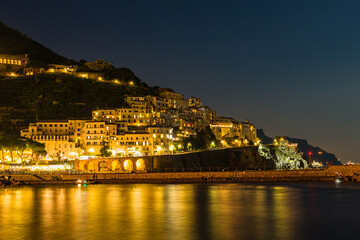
x=319 y=154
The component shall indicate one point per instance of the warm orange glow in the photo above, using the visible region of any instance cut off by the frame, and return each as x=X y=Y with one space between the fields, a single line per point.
x=140 y=165
x=128 y=165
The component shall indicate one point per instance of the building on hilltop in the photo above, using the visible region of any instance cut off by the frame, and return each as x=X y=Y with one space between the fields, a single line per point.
x=234 y=133
x=13 y=63
x=99 y=65
x=57 y=68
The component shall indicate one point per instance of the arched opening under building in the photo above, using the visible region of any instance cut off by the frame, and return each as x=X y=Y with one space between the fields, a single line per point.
x=115 y=166
x=128 y=165
x=89 y=167
x=140 y=165
x=103 y=166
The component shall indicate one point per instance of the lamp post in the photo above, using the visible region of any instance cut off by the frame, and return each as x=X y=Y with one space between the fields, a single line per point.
x=310 y=153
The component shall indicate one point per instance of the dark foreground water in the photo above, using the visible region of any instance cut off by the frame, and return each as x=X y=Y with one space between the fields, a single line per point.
x=188 y=211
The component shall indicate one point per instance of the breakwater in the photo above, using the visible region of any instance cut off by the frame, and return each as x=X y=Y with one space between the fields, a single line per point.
x=345 y=173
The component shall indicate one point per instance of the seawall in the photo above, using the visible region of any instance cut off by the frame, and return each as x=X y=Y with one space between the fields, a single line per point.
x=350 y=173
x=244 y=158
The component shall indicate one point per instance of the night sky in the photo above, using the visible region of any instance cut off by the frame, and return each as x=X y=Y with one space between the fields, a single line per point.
x=290 y=67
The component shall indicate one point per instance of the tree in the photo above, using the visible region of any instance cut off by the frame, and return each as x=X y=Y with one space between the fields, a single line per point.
x=2 y=148
x=20 y=148
x=201 y=141
x=82 y=62
x=11 y=145
x=105 y=149
x=36 y=148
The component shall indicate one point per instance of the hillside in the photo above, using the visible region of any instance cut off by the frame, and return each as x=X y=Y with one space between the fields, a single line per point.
x=59 y=96
x=15 y=42
x=319 y=154
x=65 y=96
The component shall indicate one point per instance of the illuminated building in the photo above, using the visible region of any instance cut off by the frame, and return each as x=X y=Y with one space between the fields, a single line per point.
x=231 y=131
x=132 y=144
x=57 y=136
x=96 y=134
x=163 y=139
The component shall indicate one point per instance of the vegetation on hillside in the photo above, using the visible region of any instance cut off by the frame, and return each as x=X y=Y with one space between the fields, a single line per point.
x=62 y=96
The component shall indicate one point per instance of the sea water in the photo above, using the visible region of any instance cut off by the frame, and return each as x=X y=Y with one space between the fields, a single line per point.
x=311 y=210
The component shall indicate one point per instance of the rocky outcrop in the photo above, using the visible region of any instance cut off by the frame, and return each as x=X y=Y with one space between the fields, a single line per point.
x=319 y=154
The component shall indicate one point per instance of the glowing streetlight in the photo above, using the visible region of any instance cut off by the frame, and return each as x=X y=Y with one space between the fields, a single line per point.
x=171 y=148
x=310 y=153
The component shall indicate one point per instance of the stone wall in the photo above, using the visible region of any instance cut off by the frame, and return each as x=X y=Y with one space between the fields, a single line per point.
x=329 y=174
x=244 y=158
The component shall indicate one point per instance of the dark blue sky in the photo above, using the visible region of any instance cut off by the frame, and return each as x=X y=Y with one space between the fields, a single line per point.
x=290 y=67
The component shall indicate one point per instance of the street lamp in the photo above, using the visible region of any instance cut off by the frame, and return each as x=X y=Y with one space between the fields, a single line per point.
x=310 y=153
x=171 y=148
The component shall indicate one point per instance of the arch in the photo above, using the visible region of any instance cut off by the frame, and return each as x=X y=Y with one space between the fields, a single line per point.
x=103 y=166
x=116 y=166
x=89 y=167
x=140 y=165
x=128 y=165
x=82 y=165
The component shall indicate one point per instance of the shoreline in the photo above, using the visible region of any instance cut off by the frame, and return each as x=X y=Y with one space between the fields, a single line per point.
x=342 y=173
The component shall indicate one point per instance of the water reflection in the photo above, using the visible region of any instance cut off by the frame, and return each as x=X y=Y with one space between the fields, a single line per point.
x=143 y=211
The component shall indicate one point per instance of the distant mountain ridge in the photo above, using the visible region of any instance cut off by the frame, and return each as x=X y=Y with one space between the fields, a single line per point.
x=17 y=43
x=319 y=154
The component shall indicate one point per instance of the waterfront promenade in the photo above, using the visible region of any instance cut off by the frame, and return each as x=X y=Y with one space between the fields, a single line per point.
x=344 y=173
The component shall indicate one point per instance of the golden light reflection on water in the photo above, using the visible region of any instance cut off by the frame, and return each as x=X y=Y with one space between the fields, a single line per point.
x=144 y=211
